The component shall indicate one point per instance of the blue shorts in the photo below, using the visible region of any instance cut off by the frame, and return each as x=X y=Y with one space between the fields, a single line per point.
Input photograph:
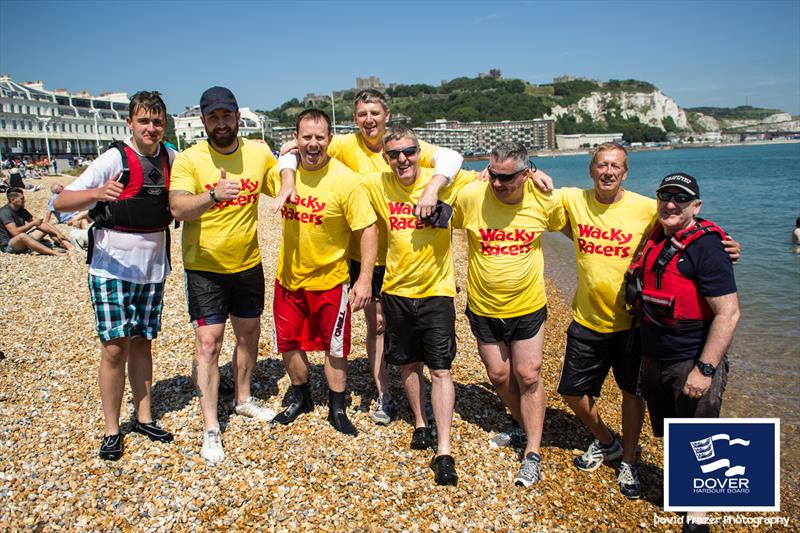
x=125 y=309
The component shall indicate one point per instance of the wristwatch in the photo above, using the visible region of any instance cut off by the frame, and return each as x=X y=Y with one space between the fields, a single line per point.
x=707 y=369
x=213 y=195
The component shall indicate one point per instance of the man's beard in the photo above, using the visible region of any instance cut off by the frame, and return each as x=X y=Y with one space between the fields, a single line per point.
x=224 y=139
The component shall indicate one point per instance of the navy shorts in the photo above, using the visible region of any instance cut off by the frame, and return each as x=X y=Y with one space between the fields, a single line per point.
x=377 y=277
x=496 y=330
x=590 y=355
x=419 y=330
x=212 y=297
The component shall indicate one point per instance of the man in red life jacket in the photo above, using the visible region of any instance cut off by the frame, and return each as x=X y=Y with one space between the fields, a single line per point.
x=127 y=188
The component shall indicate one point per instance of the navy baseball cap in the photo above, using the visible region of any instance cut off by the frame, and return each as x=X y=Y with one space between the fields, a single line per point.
x=217 y=98
x=681 y=180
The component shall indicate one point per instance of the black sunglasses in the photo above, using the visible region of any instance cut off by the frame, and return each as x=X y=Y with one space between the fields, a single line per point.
x=680 y=197
x=502 y=178
x=408 y=151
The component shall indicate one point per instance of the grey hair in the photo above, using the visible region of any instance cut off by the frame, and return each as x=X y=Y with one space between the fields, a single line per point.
x=511 y=150
x=608 y=147
x=371 y=96
x=397 y=132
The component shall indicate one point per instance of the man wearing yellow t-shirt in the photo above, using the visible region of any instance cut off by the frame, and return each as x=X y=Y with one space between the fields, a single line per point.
x=362 y=152
x=506 y=304
x=214 y=188
x=418 y=289
x=312 y=295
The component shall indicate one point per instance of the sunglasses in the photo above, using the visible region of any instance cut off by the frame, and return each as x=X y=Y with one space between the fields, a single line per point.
x=408 y=151
x=679 y=197
x=502 y=178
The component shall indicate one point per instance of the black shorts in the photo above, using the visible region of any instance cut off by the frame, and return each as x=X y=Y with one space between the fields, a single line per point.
x=662 y=387
x=377 y=277
x=212 y=297
x=420 y=330
x=589 y=356
x=495 y=330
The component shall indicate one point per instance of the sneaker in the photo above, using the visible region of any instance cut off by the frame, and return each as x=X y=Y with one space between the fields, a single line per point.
x=421 y=439
x=253 y=408
x=444 y=470
x=530 y=471
x=628 y=478
x=384 y=411
x=111 y=447
x=512 y=436
x=596 y=454
x=212 y=447
x=152 y=431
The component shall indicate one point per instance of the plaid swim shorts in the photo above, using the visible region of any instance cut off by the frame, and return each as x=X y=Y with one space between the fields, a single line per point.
x=125 y=309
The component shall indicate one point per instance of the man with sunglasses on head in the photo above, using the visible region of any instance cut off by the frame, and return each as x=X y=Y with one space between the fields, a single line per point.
x=362 y=152
x=419 y=289
x=504 y=218
x=312 y=296
x=607 y=224
x=689 y=308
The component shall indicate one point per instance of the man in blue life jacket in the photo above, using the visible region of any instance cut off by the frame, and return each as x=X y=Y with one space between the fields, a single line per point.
x=126 y=191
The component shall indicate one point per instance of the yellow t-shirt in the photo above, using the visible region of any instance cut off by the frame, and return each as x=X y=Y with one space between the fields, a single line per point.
x=351 y=150
x=419 y=262
x=605 y=238
x=505 y=278
x=316 y=230
x=224 y=239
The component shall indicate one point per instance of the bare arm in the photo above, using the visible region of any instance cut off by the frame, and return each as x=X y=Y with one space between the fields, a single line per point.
x=80 y=200
x=726 y=316
x=187 y=206
x=287 y=163
x=361 y=294
x=427 y=200
x=15 y=230
x=733 y=248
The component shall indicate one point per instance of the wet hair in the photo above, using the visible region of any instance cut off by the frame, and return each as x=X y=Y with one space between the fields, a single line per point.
x=314 y=115
x=607 y=147
x=370 y=96
x=511 y=150
x=398 y=132
x=149 y=101
x=13 y=193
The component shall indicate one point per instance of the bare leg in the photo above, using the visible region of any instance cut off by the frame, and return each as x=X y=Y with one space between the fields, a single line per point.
x=632 y=421
x=497 y=360
x=23 y=242
x=247 y=332
x=415 y=391
x=527 y=358
x=336 y=373
x=586 y=411
x=296 y=364
x=111 y=379
x=373 y=313
x=443 y=396
x=140 y=376
x=208 y=342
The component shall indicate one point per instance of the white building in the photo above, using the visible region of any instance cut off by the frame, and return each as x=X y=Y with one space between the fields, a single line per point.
x=474 y=138
x=578 y=141
x=74 y=124
x=189 y=128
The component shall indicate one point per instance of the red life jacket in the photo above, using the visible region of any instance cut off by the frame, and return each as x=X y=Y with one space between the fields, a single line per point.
x=669 y=298
x=141 y=208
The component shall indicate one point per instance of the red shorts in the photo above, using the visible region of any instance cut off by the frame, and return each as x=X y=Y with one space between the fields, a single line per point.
x=312 y=320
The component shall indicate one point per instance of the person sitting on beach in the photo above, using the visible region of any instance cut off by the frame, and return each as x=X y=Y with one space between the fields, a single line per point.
x=15 y=180
x=128 y=264
x=20 y=232
x=419 y=289
x=78 y=219
x=504 y=218
x=689 y=308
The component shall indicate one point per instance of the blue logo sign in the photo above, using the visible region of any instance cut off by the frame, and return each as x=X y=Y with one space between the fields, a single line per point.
x=722 y=464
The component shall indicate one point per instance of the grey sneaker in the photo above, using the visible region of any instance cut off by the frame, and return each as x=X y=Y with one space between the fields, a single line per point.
x=628 y=478
x=512 y=436
x=596 y=454
x=253 y=408
x=530 y=471
x=384 y=410
x=212 y=447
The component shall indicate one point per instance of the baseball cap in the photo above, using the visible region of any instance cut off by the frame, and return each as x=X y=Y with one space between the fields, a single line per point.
x=217 y=98
x=680 y=180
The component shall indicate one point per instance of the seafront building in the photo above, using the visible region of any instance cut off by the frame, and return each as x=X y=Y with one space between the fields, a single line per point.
x=578 y=141
x=478 y=138
x=73 y=124
x=189 y=128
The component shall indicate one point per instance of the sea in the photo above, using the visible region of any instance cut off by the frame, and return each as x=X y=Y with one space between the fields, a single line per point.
x=753 y=192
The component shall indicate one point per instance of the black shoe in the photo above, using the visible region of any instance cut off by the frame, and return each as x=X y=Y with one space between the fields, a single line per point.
x=152 y=431
x=421 y=439
x=111 y=447
x=695 y=528
x=337 y=415
x=302 y=403
x=444 y=470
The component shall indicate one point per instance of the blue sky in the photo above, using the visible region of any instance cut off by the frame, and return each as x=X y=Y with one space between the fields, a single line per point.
x=699 y=53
